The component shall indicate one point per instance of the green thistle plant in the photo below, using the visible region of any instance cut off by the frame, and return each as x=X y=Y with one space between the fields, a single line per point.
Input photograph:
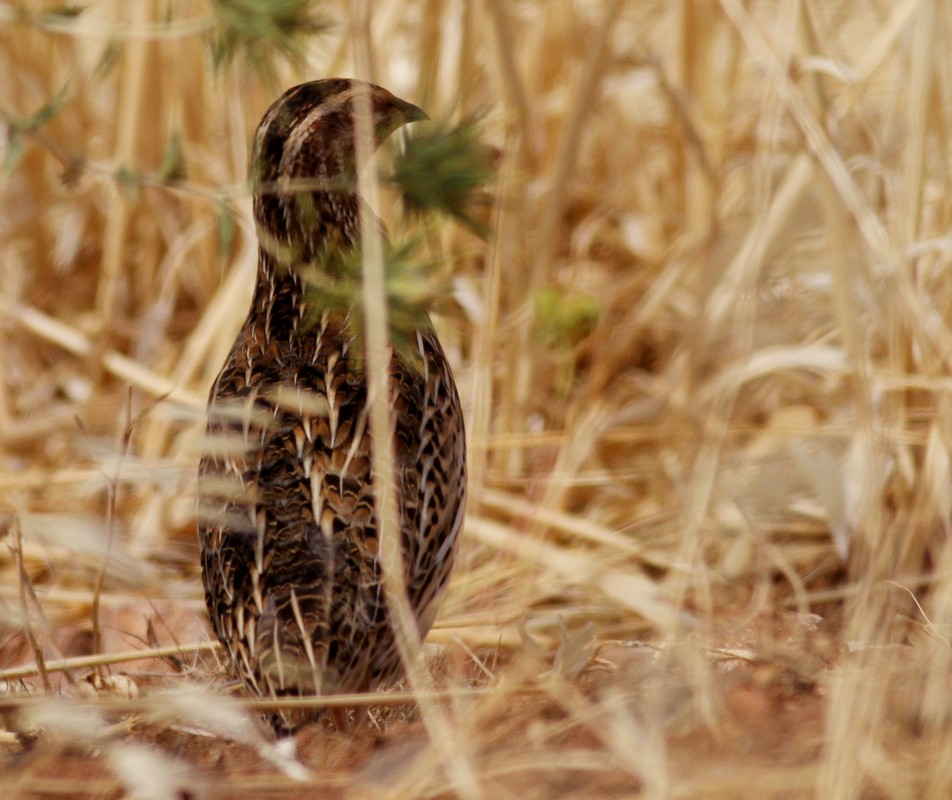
x=263 y=29
x=172 y=168
x=446 y=168
x=414 y=288
x=562 y=320
x=443 y=169
x=20 y=127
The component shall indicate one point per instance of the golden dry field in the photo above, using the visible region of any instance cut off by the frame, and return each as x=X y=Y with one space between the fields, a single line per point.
x=704 y=350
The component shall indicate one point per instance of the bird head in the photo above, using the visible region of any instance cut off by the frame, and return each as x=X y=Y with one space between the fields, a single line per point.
x=308 y=134
x=304 y=159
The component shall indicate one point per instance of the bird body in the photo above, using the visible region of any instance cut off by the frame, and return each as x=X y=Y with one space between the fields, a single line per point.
x=287 y=517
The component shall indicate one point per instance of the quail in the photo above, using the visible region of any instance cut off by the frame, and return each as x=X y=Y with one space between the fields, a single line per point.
x=287 y=524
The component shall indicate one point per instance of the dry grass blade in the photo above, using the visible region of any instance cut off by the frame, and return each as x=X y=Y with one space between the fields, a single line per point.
x=27 y=597
x=106 y=659
x=122 y=367
x=382 y=427
x=632 y=591
x=146 y=773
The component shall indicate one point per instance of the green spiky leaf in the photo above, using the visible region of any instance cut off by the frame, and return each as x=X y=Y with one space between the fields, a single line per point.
x=226 y=226
x=260 y=30
x=108 y=60
x=18 y=127
x=65 y=11
x=172 y=167
x=446 y=168
x=414 y=288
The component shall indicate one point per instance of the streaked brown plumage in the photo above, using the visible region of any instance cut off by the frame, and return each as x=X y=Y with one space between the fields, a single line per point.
x=287 y=525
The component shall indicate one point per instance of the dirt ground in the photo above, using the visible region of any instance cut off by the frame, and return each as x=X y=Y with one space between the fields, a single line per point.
x=759 y=726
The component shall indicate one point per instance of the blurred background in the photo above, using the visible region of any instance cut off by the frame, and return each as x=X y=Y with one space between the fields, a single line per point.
x=701 y=336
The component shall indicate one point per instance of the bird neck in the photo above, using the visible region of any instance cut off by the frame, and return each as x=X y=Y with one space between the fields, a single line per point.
x=298 y=232
x=298 y=226
x=279 y=297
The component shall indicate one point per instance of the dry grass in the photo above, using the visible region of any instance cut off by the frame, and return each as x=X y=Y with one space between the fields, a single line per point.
x=707 y=545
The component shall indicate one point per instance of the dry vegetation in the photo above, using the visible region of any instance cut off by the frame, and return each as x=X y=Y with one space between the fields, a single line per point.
x=704 y=355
